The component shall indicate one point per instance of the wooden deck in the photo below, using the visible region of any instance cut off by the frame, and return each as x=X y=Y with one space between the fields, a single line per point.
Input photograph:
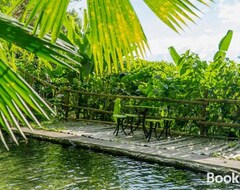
x=202 y=154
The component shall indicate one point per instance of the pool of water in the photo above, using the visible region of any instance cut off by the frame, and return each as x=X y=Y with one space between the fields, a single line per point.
x=44 y=165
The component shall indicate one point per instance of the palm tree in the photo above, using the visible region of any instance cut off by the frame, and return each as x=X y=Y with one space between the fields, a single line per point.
x=111 y=27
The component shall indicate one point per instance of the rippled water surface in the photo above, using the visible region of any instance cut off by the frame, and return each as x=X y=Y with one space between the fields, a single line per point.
x=43 y=165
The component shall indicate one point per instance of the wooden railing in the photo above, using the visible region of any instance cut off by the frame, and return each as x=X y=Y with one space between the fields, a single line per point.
x=74 y=104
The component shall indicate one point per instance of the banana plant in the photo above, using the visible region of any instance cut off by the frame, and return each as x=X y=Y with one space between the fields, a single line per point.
x=174 y=54
x=223 y=46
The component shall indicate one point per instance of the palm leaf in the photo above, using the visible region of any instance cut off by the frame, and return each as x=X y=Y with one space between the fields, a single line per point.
x=60 y=53
x=49 y=15
x=114 y=32
x=7 y=6
x=174 y=13
x=17 y=101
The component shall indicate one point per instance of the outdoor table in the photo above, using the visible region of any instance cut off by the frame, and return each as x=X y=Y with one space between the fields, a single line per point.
x=142 y=112
x=166 y=127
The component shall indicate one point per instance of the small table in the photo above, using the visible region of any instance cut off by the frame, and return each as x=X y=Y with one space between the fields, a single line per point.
x=166 y=127
x=142 y=112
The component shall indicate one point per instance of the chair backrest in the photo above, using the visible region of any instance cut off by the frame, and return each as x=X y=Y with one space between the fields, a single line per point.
x=117 y=108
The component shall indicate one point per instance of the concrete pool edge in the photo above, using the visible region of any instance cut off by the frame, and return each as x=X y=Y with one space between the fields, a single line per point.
x=197 y=163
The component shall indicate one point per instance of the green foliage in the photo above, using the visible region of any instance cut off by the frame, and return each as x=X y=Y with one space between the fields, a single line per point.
x=174 y=55
x=17 y=102
x=223 y=46
x=111 y=36
x=117 y=108
x=112 y=27
x=174 y=13
x=58 y=53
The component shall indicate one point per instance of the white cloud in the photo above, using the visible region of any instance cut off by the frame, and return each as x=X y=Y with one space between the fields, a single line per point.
x=204 y=37
x=204 y=45
x=229 y=13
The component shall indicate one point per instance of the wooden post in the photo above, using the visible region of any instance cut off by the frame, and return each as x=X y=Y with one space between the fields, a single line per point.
x=79 y=105
x=203 y=128
x=66 y=102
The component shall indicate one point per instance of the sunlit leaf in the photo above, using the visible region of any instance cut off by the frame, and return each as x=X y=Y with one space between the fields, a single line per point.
x=223 y=46
x=114 y=32
x=59 y=53
x=226 y=40
x=175 y=56
x=175 y=13
x=18 y=100
x=46 y=15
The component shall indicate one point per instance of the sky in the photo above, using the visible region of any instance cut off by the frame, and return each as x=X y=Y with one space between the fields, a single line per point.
x=201 y=38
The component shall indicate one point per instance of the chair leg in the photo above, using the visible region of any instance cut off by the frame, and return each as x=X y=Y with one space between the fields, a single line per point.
x=121 y=123
x=131 y=125
x=169 y=128
x=138 y=123
x=146 y=133
x=117 y=127
x=162 y=130
x=157 y=125
x=150 y=131
x=166 y=128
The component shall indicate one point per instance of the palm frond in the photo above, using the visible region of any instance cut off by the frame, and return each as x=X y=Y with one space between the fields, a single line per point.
x=46 y=15
x=114 y=32
x=17 y=101
x=60 y=53
x=7 y=6
x=175 y=13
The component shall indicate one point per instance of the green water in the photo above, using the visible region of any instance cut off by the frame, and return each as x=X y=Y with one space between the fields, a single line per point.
x=43 y=165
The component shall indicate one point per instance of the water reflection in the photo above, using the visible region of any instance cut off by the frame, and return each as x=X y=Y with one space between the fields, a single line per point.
x=43 y=165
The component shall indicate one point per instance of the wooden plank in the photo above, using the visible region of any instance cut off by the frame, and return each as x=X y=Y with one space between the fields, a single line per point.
x=176 y=118
x=220 y=124
x=140 y=98
x=228 y=101
x=151 y=154
x=95 y=121
x=87 y=108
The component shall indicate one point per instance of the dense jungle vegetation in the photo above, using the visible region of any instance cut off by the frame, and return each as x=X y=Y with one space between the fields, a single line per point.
x=186 y=78
x=100 y=55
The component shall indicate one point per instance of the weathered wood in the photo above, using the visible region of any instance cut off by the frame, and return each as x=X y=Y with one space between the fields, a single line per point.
x=156 y=154
x=66 y=100
x=228 y=101
x=87 y=108
x=199 y=101
x=38 y=79
x=78 y=106
x=139 y=98
x=176 y=118
x=96 y=121
x=201 y=118
x=220 y=124
x=203 y=129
